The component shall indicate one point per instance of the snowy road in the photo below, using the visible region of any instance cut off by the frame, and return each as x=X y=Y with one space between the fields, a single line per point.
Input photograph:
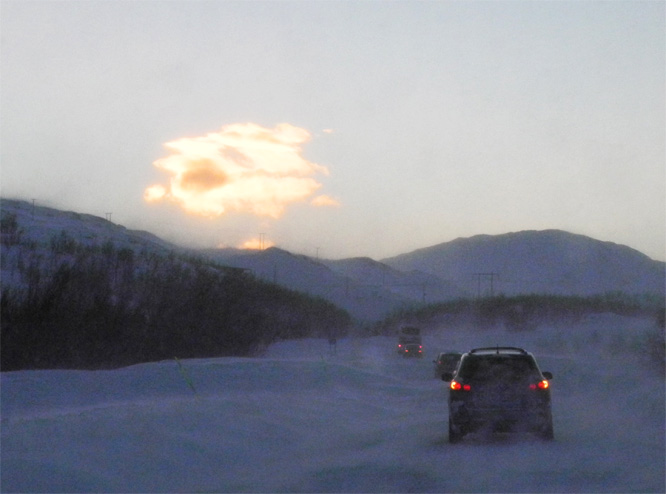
x=301 y=419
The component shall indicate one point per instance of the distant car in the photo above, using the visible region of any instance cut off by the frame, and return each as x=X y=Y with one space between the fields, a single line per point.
x=499 y=389
x=409 y=342
x=446 y=362
x=411 y=350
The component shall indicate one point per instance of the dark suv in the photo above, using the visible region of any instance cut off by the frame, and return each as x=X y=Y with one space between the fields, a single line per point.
x=446 y=362
x=499 y=389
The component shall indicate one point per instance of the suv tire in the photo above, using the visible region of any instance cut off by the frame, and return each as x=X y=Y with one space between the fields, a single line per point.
x=455 y=433
x=546 y=432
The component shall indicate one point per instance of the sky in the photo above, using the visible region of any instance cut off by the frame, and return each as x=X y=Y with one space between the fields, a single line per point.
x=340 y=129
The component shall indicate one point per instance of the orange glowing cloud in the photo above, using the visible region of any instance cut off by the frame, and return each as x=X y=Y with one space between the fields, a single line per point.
x=154 y=193
x=257 y=244
x=242 y=168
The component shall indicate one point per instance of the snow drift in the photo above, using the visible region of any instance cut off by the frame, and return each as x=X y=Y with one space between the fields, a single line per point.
x=308 y=417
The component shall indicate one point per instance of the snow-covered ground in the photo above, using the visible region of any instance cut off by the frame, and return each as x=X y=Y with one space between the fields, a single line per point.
x=303 y=419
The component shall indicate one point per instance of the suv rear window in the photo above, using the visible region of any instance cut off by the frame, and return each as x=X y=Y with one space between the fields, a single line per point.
x=492 y=367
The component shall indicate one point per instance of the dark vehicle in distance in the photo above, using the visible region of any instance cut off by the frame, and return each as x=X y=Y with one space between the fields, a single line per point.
x=499 y=389
x=412 y=350
x=446 y=362
x=409 y=342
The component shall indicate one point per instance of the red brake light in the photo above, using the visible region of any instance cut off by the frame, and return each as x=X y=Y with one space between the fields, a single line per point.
x=456 y=386
x=540 y=385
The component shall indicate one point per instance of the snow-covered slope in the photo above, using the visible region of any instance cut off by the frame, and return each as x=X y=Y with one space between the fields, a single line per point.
x=361 y=419
x=414 y=285
x=344 y=283
x=39 y=224
x=29 y=233
x=549 y=261
x=367 y=289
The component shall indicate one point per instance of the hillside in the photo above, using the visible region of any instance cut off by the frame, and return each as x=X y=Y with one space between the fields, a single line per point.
x=80 y=292
x=367 y=289
x=529 y=262
x=550 y=261
x=39 y=225
x=414 y=285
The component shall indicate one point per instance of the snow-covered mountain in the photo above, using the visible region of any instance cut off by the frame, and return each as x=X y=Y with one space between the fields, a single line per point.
x=367 y=289
x=40 y=224
x=415 y=285
x=367 y=293
x=549 y=261
x=543 y=262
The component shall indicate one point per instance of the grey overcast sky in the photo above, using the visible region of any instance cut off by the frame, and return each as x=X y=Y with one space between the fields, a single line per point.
x=340 y=128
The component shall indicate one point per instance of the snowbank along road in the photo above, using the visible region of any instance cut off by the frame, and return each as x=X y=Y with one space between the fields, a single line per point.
x=303 y=419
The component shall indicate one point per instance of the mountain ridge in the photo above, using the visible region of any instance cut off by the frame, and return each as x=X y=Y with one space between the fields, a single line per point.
x=530 y=261
x=487 y=237
x=551 y=261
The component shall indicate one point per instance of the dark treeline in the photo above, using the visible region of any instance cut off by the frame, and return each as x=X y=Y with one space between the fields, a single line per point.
x=72 y=305
x=523 y=312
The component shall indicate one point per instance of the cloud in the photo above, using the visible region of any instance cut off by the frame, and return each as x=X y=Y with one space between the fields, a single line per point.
x=154 y=193
x=257 y=244
x=242 y=168
x=324 y=200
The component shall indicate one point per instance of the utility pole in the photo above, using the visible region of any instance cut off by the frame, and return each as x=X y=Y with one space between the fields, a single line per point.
x=491 y=276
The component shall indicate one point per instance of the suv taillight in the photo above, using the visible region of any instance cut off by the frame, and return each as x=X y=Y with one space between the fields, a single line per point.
x=456 y=386
x=540 y=385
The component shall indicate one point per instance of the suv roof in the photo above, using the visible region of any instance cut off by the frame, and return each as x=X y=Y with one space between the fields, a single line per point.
x=499 y=350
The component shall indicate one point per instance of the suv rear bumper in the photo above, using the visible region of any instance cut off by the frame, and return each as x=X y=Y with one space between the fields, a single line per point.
x=496 y=418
